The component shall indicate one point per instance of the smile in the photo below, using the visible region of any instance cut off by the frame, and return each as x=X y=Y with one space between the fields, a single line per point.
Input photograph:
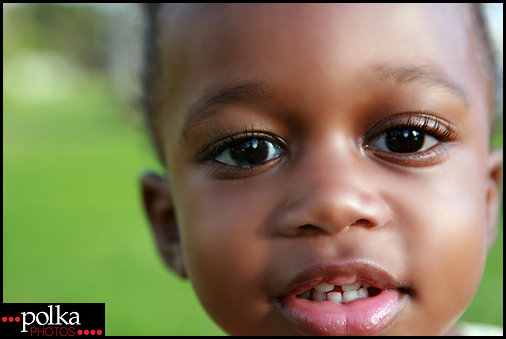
x=358 y=298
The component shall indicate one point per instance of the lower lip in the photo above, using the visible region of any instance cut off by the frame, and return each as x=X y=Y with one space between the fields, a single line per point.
x=367 y=316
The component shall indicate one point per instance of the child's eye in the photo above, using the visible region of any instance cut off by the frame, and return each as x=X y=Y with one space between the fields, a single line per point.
x=243 y=155
x=412 y=139
x=249 y=152
x=403 y=141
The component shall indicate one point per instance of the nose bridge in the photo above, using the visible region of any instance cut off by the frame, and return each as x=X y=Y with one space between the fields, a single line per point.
x=333 y=188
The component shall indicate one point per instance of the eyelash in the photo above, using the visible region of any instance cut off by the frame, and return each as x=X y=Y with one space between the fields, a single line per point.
x=215 y=148
x=441 y=130
x=423 y=123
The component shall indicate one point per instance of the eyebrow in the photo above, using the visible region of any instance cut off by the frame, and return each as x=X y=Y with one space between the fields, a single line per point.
x=252 y=91
x=228 y=93
x=426 y=75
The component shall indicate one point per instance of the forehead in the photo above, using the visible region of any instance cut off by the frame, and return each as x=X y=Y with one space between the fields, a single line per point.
x=213 y=33
x=292 y=43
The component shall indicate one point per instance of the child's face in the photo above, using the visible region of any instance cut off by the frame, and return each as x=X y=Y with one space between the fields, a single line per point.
x=329 y=178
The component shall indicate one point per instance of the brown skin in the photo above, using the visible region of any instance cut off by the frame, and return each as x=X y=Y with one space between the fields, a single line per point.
x=240 y=237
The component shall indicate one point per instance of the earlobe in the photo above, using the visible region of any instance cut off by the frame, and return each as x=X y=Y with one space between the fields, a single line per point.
x=495 y=169
x=160 y=211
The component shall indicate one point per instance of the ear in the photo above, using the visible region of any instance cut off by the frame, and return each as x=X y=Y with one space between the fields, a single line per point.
x=160 y=210
x=495 y=168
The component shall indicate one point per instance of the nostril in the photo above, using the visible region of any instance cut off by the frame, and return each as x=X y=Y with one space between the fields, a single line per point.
x=362 y=222
x=308 y=229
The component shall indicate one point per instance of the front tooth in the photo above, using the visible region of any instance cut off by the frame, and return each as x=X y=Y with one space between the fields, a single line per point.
x=318 y=296
x=324 y=287
x=335 y=297
x=351 y=287
x=363 y=293
x=350 y=296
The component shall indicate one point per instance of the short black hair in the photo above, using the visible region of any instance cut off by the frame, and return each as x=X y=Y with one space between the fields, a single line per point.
x=151 y=66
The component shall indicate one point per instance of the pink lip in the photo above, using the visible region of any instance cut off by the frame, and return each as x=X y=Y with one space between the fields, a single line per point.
x=366 y=316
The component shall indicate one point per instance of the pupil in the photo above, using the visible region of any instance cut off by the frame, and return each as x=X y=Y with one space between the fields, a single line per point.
x=250 y=152
x=404 y=140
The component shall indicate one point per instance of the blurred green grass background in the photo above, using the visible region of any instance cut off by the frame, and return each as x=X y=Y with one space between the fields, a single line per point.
x=74 y=228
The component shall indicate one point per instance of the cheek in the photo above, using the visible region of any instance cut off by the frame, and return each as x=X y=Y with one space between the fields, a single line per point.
x=225 y=244
x=445 y=242
x=449 y=245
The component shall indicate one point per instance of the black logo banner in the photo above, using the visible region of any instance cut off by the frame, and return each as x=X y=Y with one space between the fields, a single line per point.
x=53 y=320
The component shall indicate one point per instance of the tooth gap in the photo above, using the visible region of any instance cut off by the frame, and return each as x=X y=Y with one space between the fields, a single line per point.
x=373 y=291
x=304 y=295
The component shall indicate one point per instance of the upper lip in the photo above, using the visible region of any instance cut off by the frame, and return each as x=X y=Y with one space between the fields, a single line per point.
x=341 y=273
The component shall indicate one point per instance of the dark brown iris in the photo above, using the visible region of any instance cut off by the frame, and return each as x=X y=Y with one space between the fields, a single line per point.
x=404 y=140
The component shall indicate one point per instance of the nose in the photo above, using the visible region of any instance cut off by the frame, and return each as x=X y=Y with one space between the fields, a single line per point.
x=330 y=191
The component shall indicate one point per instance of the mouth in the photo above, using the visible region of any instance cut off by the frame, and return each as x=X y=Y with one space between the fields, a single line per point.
x=354 y=298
